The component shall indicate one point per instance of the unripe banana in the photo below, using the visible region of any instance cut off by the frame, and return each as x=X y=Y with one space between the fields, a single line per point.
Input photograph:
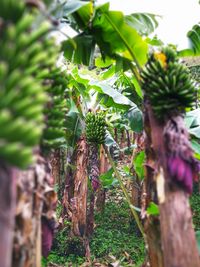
x=24 y=24
x=27 y=59
x=167 y=83
x=95 y=127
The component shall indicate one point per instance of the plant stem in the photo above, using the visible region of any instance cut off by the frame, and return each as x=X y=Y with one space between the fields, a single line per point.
x=119 y=178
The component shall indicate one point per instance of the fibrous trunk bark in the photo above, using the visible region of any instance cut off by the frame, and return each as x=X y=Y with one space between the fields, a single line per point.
x=69 y=185
x=79 y=201
x=55 y=164
x=136 y=192
x=31 y=188
x=178 y=237
x=177 y=233
x=7 y=212
x=122 y=140
x=151 y=223
x=128 y=139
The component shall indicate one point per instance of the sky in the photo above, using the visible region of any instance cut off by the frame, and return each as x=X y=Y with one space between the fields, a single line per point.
x=178 y=16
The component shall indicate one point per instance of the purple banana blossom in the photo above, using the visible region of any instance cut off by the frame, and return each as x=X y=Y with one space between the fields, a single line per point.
x=181 y=171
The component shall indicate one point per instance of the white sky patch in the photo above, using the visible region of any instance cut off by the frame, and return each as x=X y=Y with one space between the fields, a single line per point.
x=178 y=16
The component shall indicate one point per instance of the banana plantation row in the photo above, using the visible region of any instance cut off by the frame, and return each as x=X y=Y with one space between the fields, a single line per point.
x=71 y=108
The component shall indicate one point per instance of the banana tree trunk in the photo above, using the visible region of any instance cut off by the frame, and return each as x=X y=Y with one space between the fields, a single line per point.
x=151 y=223
x=116 y=135
x=31 y=185
x=178 y=237
x=177 y=232
x=128 y=139
x=79 y=201
x=69 y=185
x=8 y=178
x=55 y=163
x=122 y=140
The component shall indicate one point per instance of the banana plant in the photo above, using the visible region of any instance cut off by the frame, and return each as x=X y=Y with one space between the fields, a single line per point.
x=110 y=31
x=26 y=55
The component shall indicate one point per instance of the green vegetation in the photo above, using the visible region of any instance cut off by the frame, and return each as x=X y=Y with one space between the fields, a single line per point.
x=115 y=236
x=195 y=205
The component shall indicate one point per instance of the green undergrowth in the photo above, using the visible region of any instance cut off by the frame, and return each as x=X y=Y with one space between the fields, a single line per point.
x=115 y=237
x=195 y=205
x=116 y=234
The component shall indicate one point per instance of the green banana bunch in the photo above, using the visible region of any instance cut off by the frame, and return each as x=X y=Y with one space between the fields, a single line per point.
x=167 y=83
x=11 y=10
x=26 y=59
x=95 y=127
x=54 y=134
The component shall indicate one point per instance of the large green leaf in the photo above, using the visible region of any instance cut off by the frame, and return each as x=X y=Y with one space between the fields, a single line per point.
x=103 y=63
x=192 y=120
x=195 y=131
x=137 y=86
x=154 y=41
x=79 y=83
x=153 y=209
x=135 y=117
x=113 y=147
x=71 y=6
x=144 y=23
x=73 y=125
x=109 y=30
x=114 y=35
x=186 y=53
x=194 y=38
x=114 y=98
x=83 y=50
x=138 y=164
x=107 y=179
x=83 y=15
x=195 y=146
x=66 y=8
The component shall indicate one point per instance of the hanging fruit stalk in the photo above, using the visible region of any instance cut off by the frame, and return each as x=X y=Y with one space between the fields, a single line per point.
x=168 y=91
x=93 y=173
x=104 y=167
x=95 y=135
x=151 y=222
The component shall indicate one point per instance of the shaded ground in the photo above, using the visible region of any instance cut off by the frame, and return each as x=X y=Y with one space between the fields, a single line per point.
x=115 y=242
